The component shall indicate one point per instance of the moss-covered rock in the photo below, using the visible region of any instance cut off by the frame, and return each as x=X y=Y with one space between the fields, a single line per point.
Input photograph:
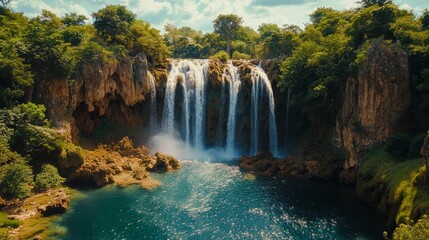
x=395 y=187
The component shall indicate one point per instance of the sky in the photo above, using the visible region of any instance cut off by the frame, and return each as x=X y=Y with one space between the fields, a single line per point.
x=199 y=14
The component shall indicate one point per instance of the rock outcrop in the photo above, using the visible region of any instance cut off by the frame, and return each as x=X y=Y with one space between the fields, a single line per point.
x=45 y=203
x=316 y=165
x=376 y=102
x=112 y=89
x=122 y=163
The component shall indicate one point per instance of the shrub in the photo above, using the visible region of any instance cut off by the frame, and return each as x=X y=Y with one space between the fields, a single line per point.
x=398 y=146
x=15 y=180
x=221 y=55
x=411 y=231
x=239 y=55
x=48 y=178
x=40 y=143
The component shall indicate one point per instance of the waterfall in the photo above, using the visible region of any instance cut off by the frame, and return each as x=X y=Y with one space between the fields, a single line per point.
x=191 y=78
x=260 y=82
x=153 y=105
x=219 y=131
x=192 y=75
x=234 y=88
x=287 y=117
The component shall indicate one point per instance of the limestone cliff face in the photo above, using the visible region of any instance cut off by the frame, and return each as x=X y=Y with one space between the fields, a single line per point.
x=376 y=102
x=111 y=89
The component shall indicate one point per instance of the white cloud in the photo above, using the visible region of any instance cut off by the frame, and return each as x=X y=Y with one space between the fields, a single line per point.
x=199 y=14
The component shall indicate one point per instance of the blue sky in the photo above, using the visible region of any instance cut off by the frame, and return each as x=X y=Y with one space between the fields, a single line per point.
x=199 y=14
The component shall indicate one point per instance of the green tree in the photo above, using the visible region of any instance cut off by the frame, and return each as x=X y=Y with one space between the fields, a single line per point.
x=47 y=52
x=227 y=26
x=73 y=19
x=369 y=3
x=146 y=39
x=48 y=178
x=113 y=23
x=425 y=19
x=15 y=180
x=15 y=74
x=275 y=42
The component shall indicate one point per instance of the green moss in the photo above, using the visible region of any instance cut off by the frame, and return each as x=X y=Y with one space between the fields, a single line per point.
x=5 y=222
x=393 y=186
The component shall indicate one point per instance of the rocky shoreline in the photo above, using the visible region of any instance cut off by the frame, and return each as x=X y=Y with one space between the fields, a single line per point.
x=315 y=164
x=121 y=164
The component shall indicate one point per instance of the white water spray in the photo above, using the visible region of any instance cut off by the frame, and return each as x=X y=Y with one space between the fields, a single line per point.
x=234 y=88
x=153 y=105
x=193 y=77
x=261 y=83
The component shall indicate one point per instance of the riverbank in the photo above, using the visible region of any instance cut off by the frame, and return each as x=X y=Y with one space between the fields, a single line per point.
x=121 y=164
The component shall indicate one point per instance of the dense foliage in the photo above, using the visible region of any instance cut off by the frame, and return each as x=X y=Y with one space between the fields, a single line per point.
x=48 y=178
x=412 y=231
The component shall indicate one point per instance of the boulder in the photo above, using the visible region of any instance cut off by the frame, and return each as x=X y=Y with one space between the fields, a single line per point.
x=164 y=163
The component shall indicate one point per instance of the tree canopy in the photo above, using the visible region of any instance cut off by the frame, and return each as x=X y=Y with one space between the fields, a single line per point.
x=227 y=26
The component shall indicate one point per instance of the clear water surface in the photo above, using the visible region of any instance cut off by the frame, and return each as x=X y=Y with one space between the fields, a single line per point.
x=207 y=200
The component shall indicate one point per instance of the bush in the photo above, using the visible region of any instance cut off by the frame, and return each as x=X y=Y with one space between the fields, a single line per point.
x=221 y=55
x=15 y=180
x=411 y=231
x=239 y=55
x=398 y=146
x=48 y=178
x=40 y=143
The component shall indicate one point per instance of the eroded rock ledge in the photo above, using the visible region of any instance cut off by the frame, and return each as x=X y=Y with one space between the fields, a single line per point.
x=122 y=164
x=315 y=164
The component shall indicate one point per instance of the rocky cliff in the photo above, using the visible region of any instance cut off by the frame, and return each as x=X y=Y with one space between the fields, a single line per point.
x=376 y=101
x=101 y=89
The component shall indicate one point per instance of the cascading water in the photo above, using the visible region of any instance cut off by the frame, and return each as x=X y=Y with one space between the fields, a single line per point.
x=289 y=92
x=260 y=83
x=153 y=105
x=234 y=88
x=193 y=77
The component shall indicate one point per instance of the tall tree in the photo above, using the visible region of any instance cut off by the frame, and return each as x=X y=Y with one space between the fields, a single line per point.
x=113 y=23
x=227 y=26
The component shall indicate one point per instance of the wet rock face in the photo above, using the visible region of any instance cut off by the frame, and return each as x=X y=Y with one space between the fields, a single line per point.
x=376 y=102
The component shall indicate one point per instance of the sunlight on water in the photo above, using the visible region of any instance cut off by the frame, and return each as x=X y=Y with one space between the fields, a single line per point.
x=214 y=200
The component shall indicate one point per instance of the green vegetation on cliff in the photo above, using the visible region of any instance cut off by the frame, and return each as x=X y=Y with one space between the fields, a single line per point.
x=396 y=187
